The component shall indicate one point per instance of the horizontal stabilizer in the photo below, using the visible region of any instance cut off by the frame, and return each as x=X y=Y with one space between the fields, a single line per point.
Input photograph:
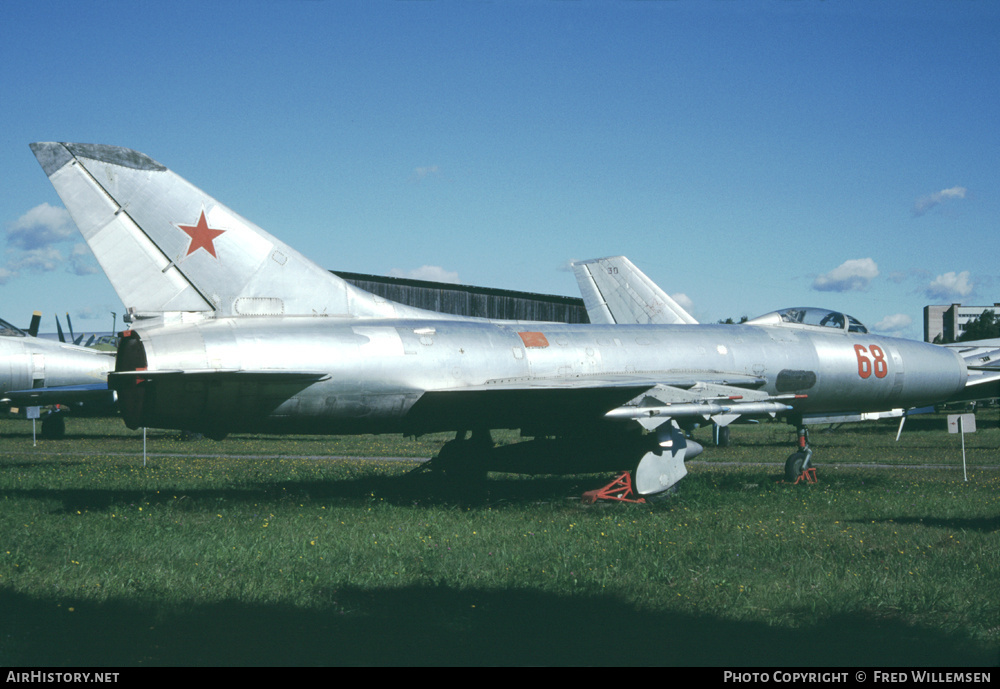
x=616 y=292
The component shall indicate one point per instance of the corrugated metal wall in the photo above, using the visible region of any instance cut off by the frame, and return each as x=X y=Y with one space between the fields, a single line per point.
x=465 y=300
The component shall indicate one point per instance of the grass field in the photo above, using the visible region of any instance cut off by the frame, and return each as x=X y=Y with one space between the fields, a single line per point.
x=274 y=551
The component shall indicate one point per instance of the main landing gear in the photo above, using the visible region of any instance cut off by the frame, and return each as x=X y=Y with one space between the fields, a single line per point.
x=461 y=466
x=799 y=464
x=54 y=425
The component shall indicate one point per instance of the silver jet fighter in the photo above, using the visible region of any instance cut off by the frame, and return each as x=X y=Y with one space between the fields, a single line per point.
x=38 y=372
x=233 y=330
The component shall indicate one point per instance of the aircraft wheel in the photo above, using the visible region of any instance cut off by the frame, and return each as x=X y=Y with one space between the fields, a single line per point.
x=722 y=436
x=54 y=427
x=795 y=465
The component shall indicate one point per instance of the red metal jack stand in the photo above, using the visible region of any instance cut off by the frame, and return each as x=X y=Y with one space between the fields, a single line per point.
x=809 y=475
x=620 y=489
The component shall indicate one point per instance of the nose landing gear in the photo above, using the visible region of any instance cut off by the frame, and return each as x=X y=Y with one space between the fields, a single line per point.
x=799 y=464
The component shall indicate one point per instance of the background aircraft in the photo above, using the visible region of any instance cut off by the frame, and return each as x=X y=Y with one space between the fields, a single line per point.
x=108 y=343
x=73 y=339
x=36 y=320
x=37 y=372
x=233 y=330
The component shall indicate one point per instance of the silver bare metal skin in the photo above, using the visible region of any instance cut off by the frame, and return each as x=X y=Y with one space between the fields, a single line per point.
x=38 y=372
x=374 y=372
x=232 y=330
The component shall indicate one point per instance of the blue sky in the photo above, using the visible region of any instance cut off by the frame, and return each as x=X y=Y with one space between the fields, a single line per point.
x=746 y=155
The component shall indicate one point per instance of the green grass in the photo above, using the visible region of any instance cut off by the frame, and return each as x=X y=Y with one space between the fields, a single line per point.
x=296 y=558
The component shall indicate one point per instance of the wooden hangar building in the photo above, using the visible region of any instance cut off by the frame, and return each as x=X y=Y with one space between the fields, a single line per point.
x=466 y=300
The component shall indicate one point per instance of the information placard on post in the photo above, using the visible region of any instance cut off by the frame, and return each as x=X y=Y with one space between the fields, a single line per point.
x=33 y=413
x=962 y=424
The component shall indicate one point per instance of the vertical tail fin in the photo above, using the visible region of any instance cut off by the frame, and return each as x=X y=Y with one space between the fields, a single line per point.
x=168 y=246
x=72 y=336
x=36 y=320
x=615 y=291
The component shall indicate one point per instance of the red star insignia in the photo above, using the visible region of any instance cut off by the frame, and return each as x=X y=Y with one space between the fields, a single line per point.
x=201 y=235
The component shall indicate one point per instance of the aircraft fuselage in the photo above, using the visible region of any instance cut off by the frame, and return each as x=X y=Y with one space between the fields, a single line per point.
x=353 y=376
x=30 y=362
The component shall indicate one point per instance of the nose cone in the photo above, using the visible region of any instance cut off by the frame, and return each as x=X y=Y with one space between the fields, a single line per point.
x=931 y=374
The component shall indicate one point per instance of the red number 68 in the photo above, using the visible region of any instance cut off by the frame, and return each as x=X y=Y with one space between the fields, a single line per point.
x=876 y=364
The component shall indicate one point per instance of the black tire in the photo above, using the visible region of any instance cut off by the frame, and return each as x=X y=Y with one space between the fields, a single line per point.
x=722 y=436
x=794 y=466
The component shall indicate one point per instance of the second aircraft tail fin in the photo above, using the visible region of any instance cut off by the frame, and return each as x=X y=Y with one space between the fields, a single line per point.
x=615 y=291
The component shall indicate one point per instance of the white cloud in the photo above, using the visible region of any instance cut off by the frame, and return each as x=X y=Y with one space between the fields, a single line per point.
x=79 y=261
x=925 y=203
x=950 y=286
x=39 y=227
x=41 y=260
x=852 y=275
x=893 y=323
x=684 y=301
x=425 y=172
x=32 y=240
x=432 y=273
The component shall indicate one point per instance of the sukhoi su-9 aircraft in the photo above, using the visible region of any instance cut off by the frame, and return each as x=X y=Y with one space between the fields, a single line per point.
x=232 y=330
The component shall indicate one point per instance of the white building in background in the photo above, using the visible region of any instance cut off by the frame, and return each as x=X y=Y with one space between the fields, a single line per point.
x=950 y=321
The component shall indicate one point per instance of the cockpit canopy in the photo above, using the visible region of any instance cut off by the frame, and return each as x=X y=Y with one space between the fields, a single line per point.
x=8 y=330
x=811 y=317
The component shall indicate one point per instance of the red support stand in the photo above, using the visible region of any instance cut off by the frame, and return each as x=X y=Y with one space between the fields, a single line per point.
x=809 y=475
x=620 y=489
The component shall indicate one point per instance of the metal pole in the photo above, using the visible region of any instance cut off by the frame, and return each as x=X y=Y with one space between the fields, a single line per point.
x=961 y=432
x=143 y=446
